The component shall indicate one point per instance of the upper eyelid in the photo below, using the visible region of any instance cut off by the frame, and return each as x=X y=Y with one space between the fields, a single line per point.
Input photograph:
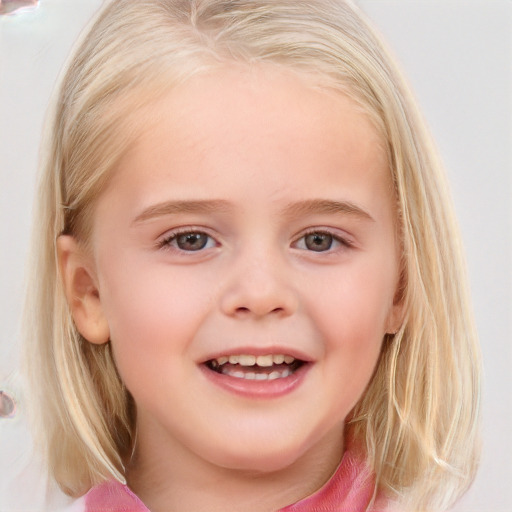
x=340 y=245
x=335 y=233
x=337 y=243
x=171 y=234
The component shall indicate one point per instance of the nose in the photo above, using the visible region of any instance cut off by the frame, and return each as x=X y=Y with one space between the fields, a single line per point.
x=259 y=287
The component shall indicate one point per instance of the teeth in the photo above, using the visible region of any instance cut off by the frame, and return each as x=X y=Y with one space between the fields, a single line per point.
x=251 y=367
x=281 y=374
x=264 y=360
x=250 y=360
x=246 y=360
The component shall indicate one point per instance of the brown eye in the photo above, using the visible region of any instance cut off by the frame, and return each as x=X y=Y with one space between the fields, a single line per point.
x=194 y=241
x=318 y=241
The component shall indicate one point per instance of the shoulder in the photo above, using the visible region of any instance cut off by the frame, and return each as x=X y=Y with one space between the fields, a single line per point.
x=110 y=496
x=350 y=489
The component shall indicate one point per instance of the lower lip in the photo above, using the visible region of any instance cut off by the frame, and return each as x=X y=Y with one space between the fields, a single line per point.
x=258 y=389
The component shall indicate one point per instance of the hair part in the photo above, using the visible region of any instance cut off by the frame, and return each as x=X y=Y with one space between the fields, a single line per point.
x=418 y=418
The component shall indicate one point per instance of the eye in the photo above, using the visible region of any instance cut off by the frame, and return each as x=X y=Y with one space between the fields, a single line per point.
x=320 y=241
x=189 y=241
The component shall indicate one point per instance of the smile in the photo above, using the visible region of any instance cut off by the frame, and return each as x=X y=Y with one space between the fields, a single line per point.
x=251 y=367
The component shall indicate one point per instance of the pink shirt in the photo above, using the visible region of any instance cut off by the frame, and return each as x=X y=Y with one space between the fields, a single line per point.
x=349 y=490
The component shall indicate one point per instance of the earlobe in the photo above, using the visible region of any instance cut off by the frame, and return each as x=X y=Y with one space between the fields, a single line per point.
x=395 y=319
x=81 y=290
x=396 y=315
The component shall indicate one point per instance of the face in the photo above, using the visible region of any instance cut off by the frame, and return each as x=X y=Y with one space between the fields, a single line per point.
x=245 y=261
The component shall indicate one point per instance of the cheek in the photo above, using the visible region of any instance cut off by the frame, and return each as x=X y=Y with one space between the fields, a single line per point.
x=354 y=305
x=352 y=324
x=151 y=314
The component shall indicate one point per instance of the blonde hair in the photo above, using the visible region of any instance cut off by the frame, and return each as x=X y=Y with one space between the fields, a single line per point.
x=418 y=418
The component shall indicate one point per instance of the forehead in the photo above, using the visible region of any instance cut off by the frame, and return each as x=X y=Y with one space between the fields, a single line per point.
x=260 y=92
x=250 y=125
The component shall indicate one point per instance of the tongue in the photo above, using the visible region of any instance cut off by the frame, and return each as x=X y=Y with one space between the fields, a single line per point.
x=230 y=368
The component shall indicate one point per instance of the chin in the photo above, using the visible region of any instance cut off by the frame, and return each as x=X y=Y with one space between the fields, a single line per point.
x=259 y=457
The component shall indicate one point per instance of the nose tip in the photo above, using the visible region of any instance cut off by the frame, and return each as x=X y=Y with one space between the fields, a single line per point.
x=258 y=306
x=259 y=293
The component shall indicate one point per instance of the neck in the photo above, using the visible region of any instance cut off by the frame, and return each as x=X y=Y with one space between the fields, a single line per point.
x=171 y=479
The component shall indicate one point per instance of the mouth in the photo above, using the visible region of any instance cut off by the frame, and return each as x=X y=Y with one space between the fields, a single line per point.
x=256 y=368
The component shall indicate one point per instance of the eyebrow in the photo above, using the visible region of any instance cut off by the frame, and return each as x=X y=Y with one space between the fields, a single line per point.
x=175 y=207
x=326 y=207
x=308 y=207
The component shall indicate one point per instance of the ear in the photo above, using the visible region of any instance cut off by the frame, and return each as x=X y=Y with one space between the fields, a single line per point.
x=396 y=315
x=81 y=289
x=395 y=318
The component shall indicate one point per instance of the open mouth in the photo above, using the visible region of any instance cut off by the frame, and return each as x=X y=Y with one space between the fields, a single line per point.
x=250 y=367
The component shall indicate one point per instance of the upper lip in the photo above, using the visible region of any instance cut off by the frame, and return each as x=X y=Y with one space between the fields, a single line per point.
x=259 y=351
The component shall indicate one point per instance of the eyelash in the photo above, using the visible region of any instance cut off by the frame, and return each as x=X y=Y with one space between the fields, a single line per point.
x=167 y=242
x=335 y=238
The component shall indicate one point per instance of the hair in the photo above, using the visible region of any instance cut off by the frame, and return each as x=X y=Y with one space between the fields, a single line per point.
x=418 y=418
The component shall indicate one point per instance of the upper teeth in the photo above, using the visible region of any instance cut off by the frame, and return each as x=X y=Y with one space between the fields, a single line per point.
x=251 y=360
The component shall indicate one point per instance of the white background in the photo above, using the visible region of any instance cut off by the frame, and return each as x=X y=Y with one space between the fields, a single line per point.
x=458 y=57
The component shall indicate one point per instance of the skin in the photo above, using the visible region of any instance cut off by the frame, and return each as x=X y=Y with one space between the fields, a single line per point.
x=272 y=151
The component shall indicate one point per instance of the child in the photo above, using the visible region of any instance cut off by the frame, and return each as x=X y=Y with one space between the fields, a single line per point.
x=249 y=291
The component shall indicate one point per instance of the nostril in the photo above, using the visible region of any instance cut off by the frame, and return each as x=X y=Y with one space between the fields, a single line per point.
x=249 y=297
x=243 y=310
